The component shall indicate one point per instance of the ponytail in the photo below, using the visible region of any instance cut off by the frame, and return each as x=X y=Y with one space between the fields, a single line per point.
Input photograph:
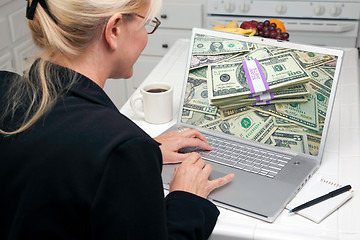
x=60 y=28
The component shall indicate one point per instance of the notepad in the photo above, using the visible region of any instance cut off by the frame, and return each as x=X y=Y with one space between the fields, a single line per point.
x=315 y=189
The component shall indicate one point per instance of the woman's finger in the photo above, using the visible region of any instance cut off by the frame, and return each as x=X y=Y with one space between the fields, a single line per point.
x=176 y=157
x=192 y=158
x=193 y=142
x=208 y=168
x=220 y=181
x=200 y=163
x=193 y=133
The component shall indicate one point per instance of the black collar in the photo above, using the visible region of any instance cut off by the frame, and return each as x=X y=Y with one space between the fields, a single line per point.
x=83 y=87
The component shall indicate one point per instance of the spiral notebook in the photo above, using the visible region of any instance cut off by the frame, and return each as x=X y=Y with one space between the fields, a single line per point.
x=320 y=211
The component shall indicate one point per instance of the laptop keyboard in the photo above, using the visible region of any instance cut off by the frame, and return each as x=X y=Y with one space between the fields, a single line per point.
x=243 y=157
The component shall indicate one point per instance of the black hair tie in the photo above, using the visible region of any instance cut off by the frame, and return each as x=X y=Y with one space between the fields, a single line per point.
x=31 y=9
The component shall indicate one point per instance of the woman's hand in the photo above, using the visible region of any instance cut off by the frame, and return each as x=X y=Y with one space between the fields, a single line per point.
x=193 y=176
x=172 y=141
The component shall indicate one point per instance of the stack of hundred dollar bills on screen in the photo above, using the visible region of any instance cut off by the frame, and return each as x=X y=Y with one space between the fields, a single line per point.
x=284 y=91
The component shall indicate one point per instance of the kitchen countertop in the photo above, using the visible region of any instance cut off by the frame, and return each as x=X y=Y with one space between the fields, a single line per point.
x=341 y=161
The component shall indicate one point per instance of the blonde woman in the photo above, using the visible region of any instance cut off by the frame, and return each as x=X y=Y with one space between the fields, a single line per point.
x=71 y=165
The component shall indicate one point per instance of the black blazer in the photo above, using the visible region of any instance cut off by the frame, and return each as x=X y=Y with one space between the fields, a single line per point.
x=85 y=171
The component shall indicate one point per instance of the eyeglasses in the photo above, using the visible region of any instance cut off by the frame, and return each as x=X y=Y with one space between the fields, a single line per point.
x=150 y=25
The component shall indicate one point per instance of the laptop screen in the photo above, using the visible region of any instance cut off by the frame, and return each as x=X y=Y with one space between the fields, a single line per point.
x=272 y=92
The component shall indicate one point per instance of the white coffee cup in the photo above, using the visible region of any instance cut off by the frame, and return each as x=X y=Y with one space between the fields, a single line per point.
x=157 y=102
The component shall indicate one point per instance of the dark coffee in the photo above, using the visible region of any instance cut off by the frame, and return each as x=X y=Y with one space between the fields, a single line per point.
x=156 y=90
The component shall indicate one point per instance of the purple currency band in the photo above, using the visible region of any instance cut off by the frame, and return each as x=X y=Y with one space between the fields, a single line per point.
x=249 y=78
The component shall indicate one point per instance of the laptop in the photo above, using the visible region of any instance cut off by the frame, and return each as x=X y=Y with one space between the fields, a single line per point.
x=265 y=106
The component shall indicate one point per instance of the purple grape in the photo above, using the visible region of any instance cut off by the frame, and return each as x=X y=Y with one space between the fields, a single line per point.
x=285 y=36
x=278 y=30
x=261 y=33
x=265 y=28
x=273 y=25
x=278 y=37
x=266 y=34
x=260 y=26
x=267 y=23
x=271 y=28
x=272 y=34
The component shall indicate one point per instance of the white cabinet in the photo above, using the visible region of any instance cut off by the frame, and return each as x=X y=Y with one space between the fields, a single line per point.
x=177 y=20
x=181 y=14
x=2 y=2
x=18 y=25
x=24 y=55
x=16 y=45
x=177 y=17
x=4 y=38
x=163 y=39
x=5 y=54
x=5 y=62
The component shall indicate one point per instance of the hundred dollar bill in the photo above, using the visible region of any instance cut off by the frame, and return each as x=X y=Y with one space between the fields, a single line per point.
x=303 y=114
x=328 y=71
x=322 y=95
x=229 y=79
x=198 y=118
x=258 y=54
x=252 y=46
x=196 y=96
x=309 y=59
x=297 y=128
x=320 y=76
x=271 y=141
x=291 y=140
x=313 y=132
x=284 y=92
x=253 y=126
x=330 y=65
x=197 y=77
x=279 y=50
x=199 y=72
x=255 y=54
x=186 y=114
x=279 y=122
x=314 y=144
x=321 y=121
x=314 y=140
x=207 y=45
x=230 y=113
x=256 y=103
x=198 y=61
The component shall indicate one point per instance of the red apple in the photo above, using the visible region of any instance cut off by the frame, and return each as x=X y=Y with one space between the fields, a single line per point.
x=254 y=22
x=247 y=25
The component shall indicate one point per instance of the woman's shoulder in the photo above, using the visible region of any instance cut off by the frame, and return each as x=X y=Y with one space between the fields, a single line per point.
x=7 y=74
x=88 y=115
x=92 y=123
x=6 y=77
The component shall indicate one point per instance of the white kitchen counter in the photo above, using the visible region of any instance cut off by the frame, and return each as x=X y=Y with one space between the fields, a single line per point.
x=341 y=162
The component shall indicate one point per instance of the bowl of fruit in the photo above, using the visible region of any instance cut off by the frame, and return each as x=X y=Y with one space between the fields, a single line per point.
x=271 y=28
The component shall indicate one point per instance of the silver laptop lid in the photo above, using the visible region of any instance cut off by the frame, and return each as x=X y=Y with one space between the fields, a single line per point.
x=271 y=93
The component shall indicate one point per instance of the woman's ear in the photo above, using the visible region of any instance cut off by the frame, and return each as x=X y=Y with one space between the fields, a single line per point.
x=112 y=30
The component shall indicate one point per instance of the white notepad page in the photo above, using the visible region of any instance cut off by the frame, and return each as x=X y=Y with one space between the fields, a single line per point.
x=313 y=190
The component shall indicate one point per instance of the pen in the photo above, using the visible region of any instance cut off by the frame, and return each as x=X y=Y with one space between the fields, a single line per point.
x=322 y=198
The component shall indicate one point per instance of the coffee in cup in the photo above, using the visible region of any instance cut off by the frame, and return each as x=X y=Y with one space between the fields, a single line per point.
x=157 y=102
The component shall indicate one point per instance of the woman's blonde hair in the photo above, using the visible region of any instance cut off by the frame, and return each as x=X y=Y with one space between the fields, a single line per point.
x=69 y=29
